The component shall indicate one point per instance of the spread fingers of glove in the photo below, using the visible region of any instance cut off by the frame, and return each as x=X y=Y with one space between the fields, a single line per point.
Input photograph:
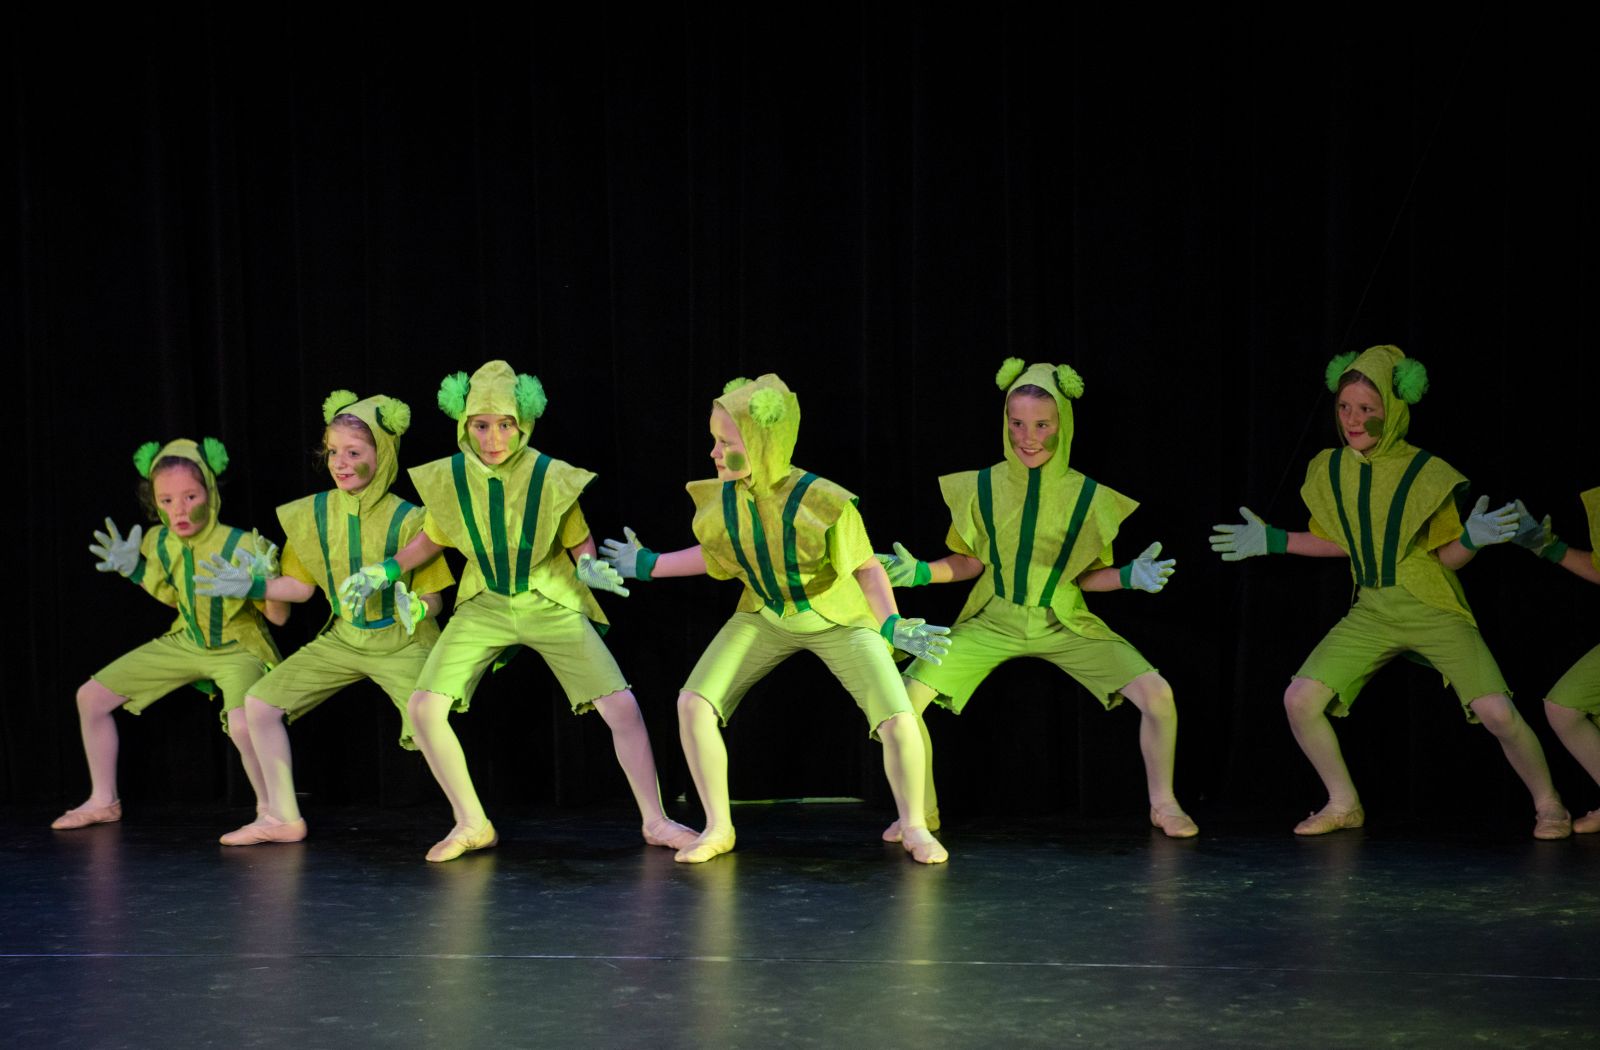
x=599 y=575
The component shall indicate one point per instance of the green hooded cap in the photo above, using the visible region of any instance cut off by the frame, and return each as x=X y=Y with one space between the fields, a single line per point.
x=387 y=419
x=1062 y=383
x=767 y=414
x=495 y=389
x=212 y=459
x=1401 y=381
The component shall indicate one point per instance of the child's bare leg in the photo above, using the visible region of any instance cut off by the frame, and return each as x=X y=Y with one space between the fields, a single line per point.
x=1158 y=743
x=239 y=733
x=631 y=740
x=1500 y=716
x=921 y=696
x=278 y=814
x=430 y=721
x=1306 y=703
x=1581 y=737
x=100 y=742
x=906 y=768
x=707 y=755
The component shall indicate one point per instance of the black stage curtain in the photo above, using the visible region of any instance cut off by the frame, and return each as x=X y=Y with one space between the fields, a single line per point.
x=219 y=215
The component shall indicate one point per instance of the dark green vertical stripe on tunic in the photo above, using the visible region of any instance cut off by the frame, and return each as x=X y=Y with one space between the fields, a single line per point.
x=791 y=557
x=458 y=469
x=1397 y=510
x=319 y=512
x=530 y=521
x=1369 y=556
x=216 y=603
x=758 y=538
x=730 y=521
x=391 y=547
x=1030 y=519
x=1344 y=520
x=986 y=509
x=497 y=534
x=352 y=543
x=1080 y=512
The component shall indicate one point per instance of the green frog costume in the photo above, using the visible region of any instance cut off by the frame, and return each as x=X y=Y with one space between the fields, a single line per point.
x=1579 y=688
x=216 y=644
x=333 y=534
x=794 y=540
x=1389 y=510
x=514 y=521
x=1036 y=530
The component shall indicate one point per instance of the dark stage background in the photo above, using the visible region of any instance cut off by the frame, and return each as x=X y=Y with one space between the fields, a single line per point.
x=217 y=217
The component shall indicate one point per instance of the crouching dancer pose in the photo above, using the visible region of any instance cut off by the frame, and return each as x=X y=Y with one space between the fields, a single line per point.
x=1390 y=508
x=1573 y=706
x=797 y=543
x=217 y=644
x=513 y=511
x=1037 y=534
x=331 y=535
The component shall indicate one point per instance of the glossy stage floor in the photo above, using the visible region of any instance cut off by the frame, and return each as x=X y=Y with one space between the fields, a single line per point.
x=572 y=933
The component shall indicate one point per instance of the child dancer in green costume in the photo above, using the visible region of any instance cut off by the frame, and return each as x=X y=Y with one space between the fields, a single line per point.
x=760 y=517
x=1573 y=706
x=1037 y=534
x=218 y=644
x=331 y=535
x=513 y=511
x=1390 y=508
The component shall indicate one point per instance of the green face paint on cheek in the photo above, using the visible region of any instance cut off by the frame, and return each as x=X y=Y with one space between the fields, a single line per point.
x=734 y=461
x=200 y=513
x=363 y=471
x=1374 y=426
x=1052 y=442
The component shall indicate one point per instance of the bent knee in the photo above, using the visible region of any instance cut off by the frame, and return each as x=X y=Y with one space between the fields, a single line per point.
x=1497 y=713
x=1151 y=694
x=895 y=724
x=1562 y=717
x=1306 y=698
x=94 y=697
x=693 y=706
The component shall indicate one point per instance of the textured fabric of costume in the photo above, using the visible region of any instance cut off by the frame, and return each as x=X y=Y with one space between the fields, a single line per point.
x=792 y=538
x=513 y=520
x=1389 y=508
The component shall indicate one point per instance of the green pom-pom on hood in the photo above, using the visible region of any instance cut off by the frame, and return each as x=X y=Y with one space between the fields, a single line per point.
x=1399 y=380
x=767 y=414
x=393 y=415
x=1010 y=369
x=1410 y=380
x=1068 y=381
x=337 y=402
x=530 y=397
x=733 y=384
x=767 y=407
x=1058 y=381
x=144 y=456
x=216 y=454
x=453 y=395
x=1337 y=368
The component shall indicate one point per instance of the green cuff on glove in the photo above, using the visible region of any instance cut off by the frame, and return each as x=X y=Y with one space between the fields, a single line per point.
x=1554 y=552
x=644 y=563
x=887 y=630
x=258 y=588
x=392 y=570
x=922 y=575
x=1277 y=543
x=1125 y=574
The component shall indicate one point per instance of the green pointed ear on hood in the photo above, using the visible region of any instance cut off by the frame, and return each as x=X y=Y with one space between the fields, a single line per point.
x=209 y=454
x=1400 y=381
x=767 y=414
x=1060 y=382
x=495 y=390
x=385 y=418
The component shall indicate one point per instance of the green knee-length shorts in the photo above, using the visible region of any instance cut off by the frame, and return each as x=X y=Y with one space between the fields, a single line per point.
x=158 y=667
